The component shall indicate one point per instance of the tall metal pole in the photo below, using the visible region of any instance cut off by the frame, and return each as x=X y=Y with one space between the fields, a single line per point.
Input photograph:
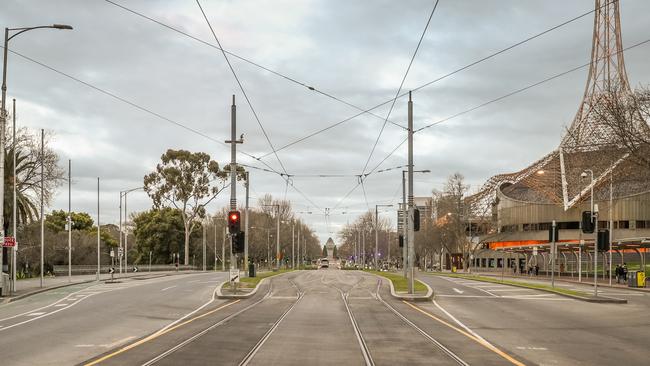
x=553 y=254
x=404 y=227
x=69 y=220
x=121 y=232
x=594 y=216
x=3 y=122
x=411 y=233
x=13 y=215
x=233 y=170
x=363 y=248
x=215 y=245
x=223 y=249
x=268 y=248
x=376 y=237
x=126 y=234
x=277 y=239
x=299 y=256
x=42 y=200
x=293 y=248
x=248 y=183
x=205 y=250
x=611 y=223
x=98 y=233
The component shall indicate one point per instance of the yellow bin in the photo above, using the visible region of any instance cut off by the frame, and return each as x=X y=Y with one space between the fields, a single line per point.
x=453 y=269
x=640 y=279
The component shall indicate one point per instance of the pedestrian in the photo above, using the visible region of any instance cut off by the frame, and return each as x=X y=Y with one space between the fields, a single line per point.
x=536 y=270
x=624 y=269
x=619 y=273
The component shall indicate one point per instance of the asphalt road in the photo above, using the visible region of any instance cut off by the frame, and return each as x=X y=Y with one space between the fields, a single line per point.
x=319 y=317
x=69 y=325
x=548 y=329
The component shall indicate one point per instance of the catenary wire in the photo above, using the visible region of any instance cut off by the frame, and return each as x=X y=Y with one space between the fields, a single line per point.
x=392 y=105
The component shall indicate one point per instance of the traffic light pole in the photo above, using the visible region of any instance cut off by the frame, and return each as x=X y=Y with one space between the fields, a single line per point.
x=248 y=183
x=233 y=171
x=411 y=232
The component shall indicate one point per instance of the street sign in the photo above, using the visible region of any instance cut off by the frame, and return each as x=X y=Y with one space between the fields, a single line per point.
x=111 y=270
x=120 y=252
x=9 y=241
x=135 y=269
x=534 y=250
x=234 y=275
x=112 y=253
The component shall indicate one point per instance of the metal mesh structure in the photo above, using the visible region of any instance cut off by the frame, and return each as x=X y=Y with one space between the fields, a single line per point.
x=589 y=143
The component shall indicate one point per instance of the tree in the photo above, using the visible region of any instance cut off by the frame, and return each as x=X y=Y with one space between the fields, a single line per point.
x=324 y=251
x=334 y=253
x=28 y=175
x=185 y=181
x=56 y=221
x=626 y=114
x=161 y=232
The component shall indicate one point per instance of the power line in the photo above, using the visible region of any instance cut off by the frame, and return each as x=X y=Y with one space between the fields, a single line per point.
x=463 y=68
x=249 y=61
x=424 y=31
x=241 y=87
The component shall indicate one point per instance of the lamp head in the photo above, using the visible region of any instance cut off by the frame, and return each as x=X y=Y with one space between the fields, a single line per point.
x=583 y=175
x=61 y=26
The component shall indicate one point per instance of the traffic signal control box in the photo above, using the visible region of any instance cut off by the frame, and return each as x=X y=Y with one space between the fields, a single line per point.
x=587 y=222
x=603 y=240
x=416 y=219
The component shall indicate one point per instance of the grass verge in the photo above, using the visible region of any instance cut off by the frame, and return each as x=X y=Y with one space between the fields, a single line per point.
x=251 y=282
x=399 y=282
x=534 y=286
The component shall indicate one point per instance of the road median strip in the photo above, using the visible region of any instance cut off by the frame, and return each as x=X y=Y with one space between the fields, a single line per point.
x=577 y=295
x=399 y=287
x=250 y=285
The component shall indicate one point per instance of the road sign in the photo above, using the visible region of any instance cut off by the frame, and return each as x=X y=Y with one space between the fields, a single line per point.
x=112 y=253
x=111 y=270
x=135 y=269
x=234 y=275
x=534 y=250
x=9 y=241
x=120 y=252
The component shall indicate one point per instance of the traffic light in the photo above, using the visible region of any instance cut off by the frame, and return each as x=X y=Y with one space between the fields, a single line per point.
x=401 y=241
x=416 y=219
x=238 y=242
x=603 y=240
x=587 y=222
x=550 y=234
x=234 y=221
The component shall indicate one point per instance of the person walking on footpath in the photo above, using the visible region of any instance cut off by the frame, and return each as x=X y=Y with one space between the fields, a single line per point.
x=624 y=269
x=536 y=270
x=617 y=272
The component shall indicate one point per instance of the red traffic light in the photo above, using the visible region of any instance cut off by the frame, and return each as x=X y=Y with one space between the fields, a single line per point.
x=233 y=222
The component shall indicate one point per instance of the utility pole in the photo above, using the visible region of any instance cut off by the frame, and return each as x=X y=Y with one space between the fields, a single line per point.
x=98 y=231
x=205 y=252
x=411 y=233
x=69 y=220
x=215 y=245
x=293 y=248
x=126 y=235
x=363 y=248
x=223 y=249
x=404 y=226
x=553 y=254
x=233 y=170
x=120 y=228
x=277 y=239
x=42 y=204
x=15 y=249
x=248 y=183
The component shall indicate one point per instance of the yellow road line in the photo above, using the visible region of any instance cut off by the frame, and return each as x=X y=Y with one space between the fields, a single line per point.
x=468 y=335
x=157 y=334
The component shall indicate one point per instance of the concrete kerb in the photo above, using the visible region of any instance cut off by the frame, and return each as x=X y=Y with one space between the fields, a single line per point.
x=600 y=300
x=408 y=297
x=249 y=294
x=45 y=289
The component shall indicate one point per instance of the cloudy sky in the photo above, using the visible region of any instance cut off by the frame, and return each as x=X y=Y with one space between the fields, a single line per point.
x=357 y=51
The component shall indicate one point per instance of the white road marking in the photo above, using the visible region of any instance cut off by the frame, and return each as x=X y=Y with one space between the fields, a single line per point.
x=36 y=314
x=510 y=289
x=59 y=305
x=532 y=348
x=458 y=291
x=167 y=288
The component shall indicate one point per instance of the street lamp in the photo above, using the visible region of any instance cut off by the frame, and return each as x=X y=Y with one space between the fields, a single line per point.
x=3 y=115
x=594 y=217
x=377 y=233
x=125 y=248
x=405 y=251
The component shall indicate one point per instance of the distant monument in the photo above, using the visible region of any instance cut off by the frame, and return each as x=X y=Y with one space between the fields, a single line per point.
x=330 y=248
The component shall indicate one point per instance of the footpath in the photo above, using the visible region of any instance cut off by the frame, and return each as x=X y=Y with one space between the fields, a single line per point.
x=546 y=280
x=32 y=286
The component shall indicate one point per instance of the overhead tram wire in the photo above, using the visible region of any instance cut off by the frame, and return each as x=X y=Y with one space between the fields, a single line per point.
x=381 y=131
x=251 y=62
x=241 y=87
x=124 y=100
x=463 y=68
x=515 y=92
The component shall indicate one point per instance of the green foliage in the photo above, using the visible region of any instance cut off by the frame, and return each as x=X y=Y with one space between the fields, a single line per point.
x=324 y=251
x=56 y=221
x=335 y=253
x=400 y=283
x=184 y=180
x=105 y=236
x=160 y=231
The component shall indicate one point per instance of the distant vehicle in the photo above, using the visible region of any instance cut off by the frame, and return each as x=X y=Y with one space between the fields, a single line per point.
x=324 y=263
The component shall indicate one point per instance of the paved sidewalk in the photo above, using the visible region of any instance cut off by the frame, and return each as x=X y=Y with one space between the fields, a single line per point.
x=30 y=286
x=588 y=281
